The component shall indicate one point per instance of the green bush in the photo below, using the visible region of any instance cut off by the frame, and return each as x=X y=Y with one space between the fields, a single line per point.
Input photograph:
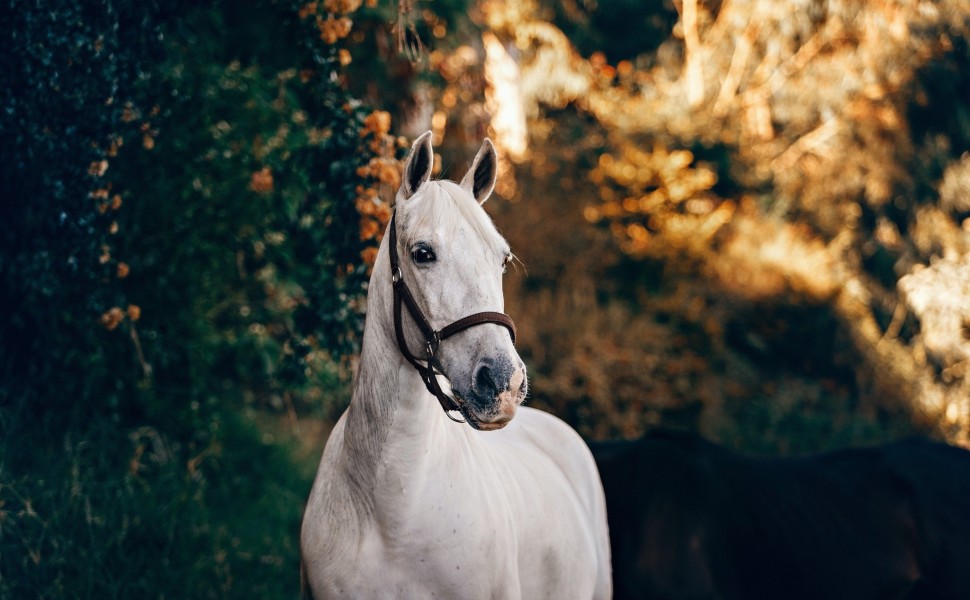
x=185 y=239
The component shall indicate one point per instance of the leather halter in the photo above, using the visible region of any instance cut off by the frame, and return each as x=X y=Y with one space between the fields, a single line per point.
x=431 y=365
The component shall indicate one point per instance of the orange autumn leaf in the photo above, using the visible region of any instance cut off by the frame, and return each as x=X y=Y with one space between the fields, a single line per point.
x=369 y=255
x=332 y=29
x=341 y=6
x=111 y=318
x=261 y=181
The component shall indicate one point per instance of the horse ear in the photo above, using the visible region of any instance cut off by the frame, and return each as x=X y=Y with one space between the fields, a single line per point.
x=480 y=178
x=417 y=167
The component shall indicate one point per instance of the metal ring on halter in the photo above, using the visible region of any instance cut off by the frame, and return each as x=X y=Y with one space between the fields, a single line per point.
x=448 y=414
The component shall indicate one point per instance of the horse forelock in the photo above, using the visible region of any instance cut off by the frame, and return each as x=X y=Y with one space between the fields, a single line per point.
x=444 y=206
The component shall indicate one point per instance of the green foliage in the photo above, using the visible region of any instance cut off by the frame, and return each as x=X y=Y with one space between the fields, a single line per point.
x=181 y=240
x=254 y=170
x=65 y=73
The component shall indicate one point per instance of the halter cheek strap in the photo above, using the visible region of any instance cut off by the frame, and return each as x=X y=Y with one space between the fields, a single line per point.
x=429 y=366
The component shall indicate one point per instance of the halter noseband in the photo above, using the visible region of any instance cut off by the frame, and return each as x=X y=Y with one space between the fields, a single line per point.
x=432 y=337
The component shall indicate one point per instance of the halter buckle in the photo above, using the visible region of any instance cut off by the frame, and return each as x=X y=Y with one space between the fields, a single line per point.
x=432 y=345
x=396 y=275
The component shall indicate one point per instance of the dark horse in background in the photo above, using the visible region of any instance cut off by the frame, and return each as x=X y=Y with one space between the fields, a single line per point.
x=690 y=520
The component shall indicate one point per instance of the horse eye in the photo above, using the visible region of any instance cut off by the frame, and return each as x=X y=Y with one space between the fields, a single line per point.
x=423 y=255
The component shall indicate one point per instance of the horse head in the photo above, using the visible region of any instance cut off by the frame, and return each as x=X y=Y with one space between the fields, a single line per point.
x=452 y=258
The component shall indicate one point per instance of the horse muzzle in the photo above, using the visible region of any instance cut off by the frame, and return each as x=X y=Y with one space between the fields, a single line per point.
x=498 y=388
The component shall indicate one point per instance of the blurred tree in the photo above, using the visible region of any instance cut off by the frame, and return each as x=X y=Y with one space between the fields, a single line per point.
x=771 y=156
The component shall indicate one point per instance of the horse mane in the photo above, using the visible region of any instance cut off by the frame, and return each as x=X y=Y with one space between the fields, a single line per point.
x=442 y=205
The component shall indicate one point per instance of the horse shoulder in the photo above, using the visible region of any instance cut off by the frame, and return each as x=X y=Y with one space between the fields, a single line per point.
x=560 y=443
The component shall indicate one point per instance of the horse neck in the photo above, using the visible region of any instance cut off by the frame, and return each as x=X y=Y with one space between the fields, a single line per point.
x=392 y=421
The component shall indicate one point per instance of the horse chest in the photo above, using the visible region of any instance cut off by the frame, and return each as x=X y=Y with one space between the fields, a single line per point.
x=450 y=557
x=472 y=537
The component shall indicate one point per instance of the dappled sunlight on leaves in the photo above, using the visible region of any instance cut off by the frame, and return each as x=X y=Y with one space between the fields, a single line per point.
x=657 y=202
x=783 y=152
x=763 y=258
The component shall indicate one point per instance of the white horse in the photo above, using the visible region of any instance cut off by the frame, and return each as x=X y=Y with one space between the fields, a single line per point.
x=408 y=504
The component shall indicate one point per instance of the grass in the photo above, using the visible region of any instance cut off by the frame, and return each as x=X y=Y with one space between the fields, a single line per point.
x=103 y=513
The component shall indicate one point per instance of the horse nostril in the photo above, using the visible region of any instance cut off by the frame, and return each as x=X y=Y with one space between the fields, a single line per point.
x=492 y=377
x=485 y=381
